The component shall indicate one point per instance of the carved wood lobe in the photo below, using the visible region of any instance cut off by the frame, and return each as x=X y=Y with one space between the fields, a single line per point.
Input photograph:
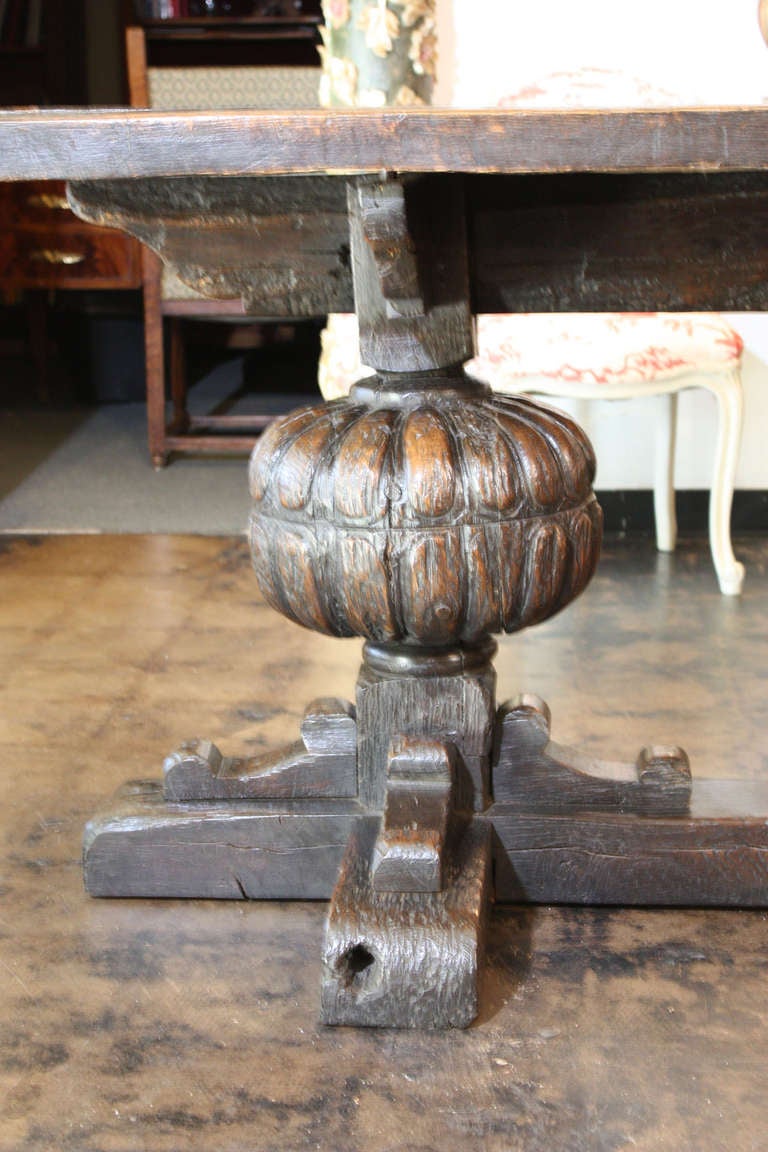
x=435 y=520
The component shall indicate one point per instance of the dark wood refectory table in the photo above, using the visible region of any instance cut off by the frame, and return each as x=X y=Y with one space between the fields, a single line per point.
x=425 y=514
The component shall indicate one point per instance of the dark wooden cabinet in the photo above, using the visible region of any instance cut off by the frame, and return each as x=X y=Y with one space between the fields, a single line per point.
x=273 y=33
x=44 y=245
x=43 y=60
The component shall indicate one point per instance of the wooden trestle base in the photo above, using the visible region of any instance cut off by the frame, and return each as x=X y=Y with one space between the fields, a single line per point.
x=424 y=514
x=410 y=881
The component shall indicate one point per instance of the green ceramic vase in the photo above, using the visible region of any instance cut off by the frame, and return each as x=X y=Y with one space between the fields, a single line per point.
x=378 y=53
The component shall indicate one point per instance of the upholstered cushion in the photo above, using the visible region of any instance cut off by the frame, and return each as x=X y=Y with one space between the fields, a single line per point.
x=590 y=88
x=584 y=353
x=239 y=87
x=579 y=353
x=340 y=366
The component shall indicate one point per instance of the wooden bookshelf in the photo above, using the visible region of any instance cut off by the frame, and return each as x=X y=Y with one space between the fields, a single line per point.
x=289 y=37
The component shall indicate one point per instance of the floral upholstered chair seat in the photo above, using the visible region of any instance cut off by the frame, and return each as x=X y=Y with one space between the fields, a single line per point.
x=618 y=355
x=608 y=354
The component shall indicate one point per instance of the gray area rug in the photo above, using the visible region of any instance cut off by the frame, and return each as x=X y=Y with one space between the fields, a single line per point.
x=89 y=471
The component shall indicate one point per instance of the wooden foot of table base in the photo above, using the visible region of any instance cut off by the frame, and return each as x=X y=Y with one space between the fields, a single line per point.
x=145 y=846
x=410 y=878
x=714 y=856
x=404 y=959
x=573 y=830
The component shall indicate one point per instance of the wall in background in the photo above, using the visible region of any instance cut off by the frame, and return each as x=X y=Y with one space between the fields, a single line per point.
x=701 y=51
x=705 y=51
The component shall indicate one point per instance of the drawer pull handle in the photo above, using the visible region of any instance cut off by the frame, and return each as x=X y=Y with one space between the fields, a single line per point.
x=48 y=200
x=53 y=256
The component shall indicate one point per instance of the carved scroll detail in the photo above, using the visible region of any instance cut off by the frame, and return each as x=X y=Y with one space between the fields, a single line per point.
x=322 y=763
x=534 y=774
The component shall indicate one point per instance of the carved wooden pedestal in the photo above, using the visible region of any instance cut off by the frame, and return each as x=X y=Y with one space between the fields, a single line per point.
x=424 y=514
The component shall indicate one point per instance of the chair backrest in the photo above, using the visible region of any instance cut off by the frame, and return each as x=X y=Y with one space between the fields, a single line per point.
x=201 y=88
x=189 y=89
x=589 y=88
x=708 y=53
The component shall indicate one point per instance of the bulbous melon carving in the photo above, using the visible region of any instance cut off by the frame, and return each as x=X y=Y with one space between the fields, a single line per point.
x=435 y=524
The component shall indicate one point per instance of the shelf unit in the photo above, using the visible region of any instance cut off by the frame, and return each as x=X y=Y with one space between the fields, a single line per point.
x=52 y=69
x=263 y=38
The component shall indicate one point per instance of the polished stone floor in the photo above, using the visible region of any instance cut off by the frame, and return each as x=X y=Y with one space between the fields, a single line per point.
x=133 y=1025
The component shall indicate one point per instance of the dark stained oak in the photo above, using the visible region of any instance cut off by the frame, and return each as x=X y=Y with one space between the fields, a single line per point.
x=406 y=959
x=578 y=242
x=412 y=844
x=424 y=515
x=410 y=272
x=322 y=763
x=281 y=244
x=370 y=513
x=62 y=144
x=714 y=856
x=142 y=845
x=533 y=774
x=683 y=241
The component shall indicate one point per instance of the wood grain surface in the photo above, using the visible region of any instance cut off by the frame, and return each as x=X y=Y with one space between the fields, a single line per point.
x=435 y=507
x=406 y=958
x=99 y=144
x=581 y=241
x=625 y=242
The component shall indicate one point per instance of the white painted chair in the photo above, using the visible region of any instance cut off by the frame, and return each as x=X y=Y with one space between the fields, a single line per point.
x=618 y=356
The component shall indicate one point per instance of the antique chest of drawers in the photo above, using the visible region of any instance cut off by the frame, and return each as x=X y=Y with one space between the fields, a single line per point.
x=44 y=245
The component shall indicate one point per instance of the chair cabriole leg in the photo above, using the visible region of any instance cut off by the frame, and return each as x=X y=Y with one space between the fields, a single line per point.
x=664 y=473
x=730 y=573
